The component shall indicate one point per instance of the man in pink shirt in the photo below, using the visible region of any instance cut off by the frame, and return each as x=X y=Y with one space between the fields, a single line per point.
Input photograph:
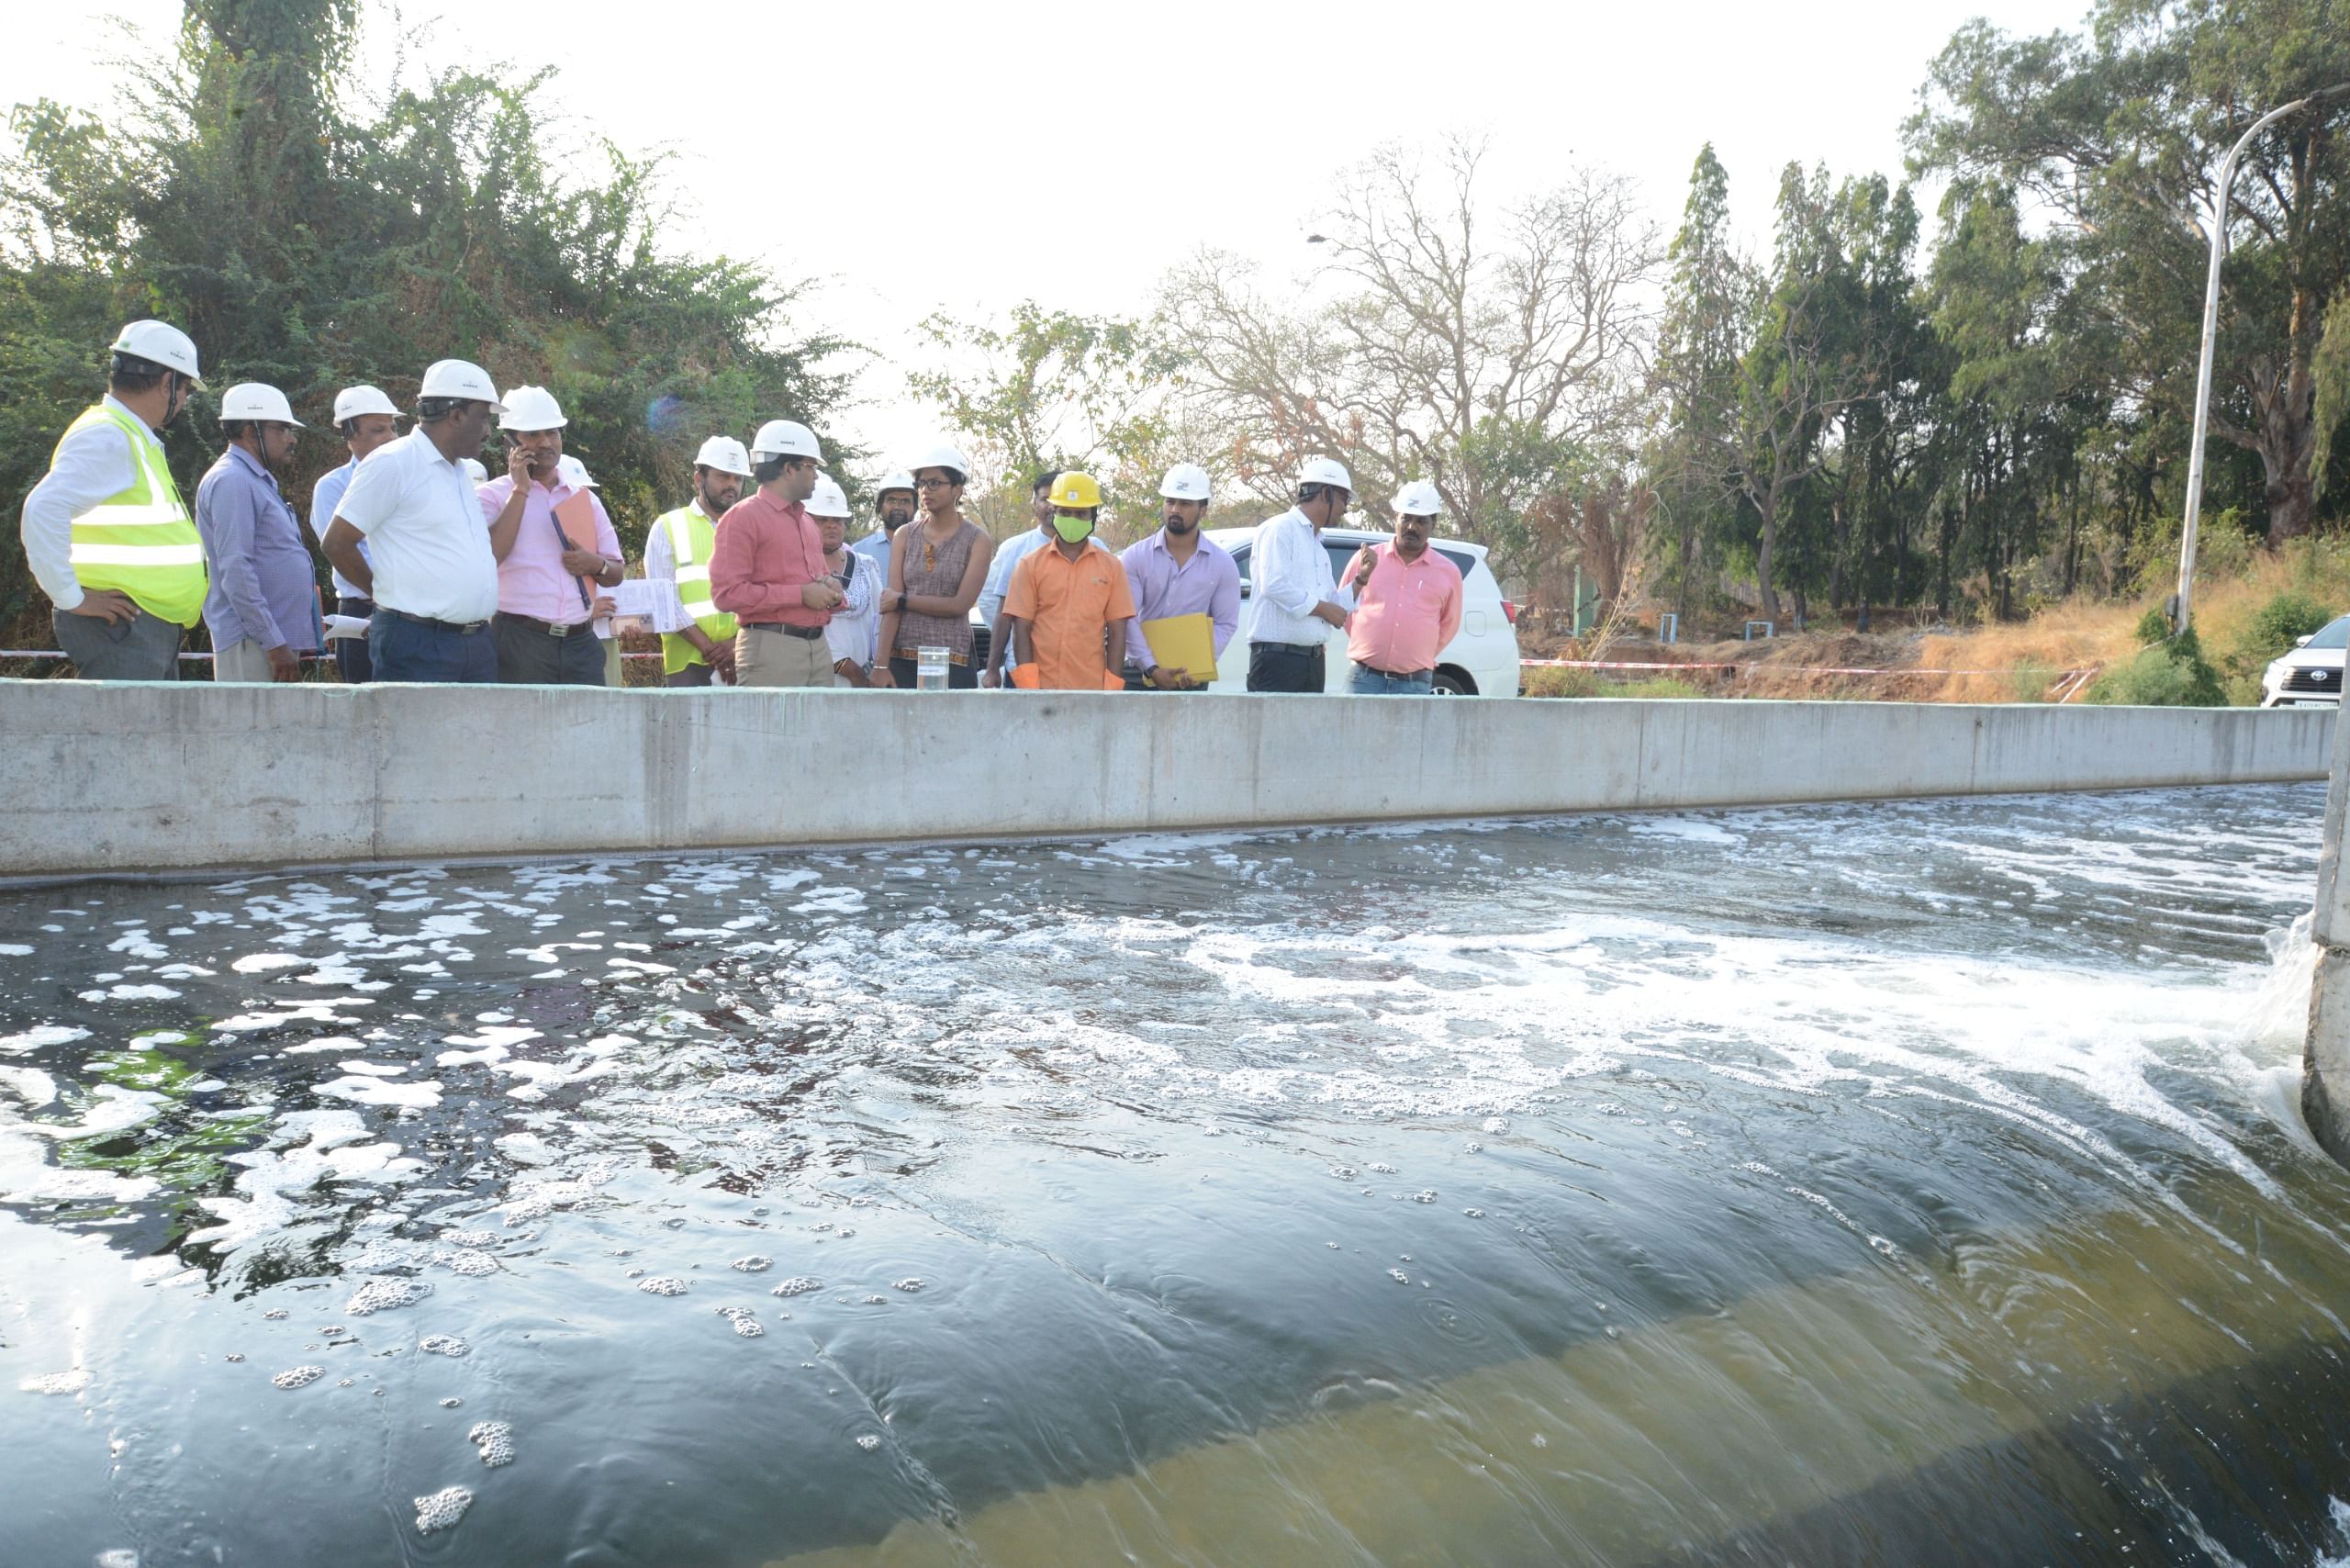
x=1408 y=603
x=544 y=564
x=767 y=569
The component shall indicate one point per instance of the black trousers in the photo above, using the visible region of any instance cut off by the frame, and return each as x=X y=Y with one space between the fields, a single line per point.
x=528 y=654
x=351 y=655
x=1286 y=666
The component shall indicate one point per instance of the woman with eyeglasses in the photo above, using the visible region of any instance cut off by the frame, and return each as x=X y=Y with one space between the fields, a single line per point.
x=936 y=568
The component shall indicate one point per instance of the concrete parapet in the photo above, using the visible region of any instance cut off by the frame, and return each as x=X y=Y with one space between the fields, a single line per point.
x=130 y=777
x=2325 y=1063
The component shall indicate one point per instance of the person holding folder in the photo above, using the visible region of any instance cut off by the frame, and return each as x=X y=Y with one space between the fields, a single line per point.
x=1068 y=605
x=559 y=548
x=1186 y=582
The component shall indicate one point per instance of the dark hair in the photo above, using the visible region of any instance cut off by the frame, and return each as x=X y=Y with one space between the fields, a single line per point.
x=1307 y=494
x=130 y=372
x=431 y=410
x=236 y=430
x=1042 y=482
x=768 y=470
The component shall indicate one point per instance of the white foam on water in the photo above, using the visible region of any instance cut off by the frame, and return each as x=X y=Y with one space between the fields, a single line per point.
x=73 y=1380
x=385 y=1295
x=379 y=1092
x=495 y=1441
x=263 y=963
x=441 y=1509
x=35 y=1039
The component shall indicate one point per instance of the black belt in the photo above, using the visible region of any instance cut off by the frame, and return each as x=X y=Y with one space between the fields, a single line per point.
x=1290 y=648
x=1395 y=674
x=552 y=628
x=463 y=628
x=805 y=634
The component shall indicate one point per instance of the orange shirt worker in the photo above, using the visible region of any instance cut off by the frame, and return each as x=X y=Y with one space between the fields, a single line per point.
x=1068 y=605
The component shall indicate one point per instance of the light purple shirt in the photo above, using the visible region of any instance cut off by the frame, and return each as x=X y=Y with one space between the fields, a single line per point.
x=530 y=580
x=1208 y=584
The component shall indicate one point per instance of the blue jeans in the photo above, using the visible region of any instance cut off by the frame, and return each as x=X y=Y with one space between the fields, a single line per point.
x=1370 y=682
x=409 y=650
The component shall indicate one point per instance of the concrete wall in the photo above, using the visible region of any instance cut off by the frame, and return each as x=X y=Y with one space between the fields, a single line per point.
x=136 y=777
x=2325 y=1066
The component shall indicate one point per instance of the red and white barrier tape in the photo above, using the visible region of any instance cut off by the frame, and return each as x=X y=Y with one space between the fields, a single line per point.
x=1794 y=669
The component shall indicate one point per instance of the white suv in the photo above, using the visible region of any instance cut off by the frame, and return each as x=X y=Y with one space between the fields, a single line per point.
x=2309 y=675
x=1480 y=661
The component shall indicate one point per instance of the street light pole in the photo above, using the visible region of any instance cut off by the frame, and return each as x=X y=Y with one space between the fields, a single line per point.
x=2183 y=613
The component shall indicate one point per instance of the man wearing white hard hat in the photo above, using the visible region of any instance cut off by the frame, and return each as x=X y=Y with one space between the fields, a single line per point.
x=767 y=569
x=430 y=565
x=263 y=608
x=854 y=633
x=1408 y=603
x=105 y=534
x=366 y=420
x=1180 y=571
x=678 y=550
x=548 y=568
x=893 y=508
x=1299 y=602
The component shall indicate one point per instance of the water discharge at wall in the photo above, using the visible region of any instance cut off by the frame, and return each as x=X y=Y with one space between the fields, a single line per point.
x=1843 y=1183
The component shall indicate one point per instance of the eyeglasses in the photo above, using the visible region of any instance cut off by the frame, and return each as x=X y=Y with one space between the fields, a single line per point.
x=934 y=484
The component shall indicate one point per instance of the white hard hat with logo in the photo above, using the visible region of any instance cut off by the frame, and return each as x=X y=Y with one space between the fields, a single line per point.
x=724 y=453
x=569 y=470
x=827 y=500
x=252 y=400
x=900 y=480
x=473 y=470
x=1418 y=499
x=532 y=409
x=1326 y=471
x=785 y=438
x=1186 y=482
x=462 y=379
x=353 y=401
x=162 y=344
x=944 y=457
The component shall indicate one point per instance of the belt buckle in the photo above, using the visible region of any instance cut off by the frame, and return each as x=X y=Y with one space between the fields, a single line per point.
x=555 y=631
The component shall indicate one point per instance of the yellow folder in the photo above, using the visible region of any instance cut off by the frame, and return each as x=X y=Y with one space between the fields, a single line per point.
x=1183 y=642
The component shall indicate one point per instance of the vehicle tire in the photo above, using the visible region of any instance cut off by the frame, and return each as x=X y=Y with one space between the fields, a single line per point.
x=1451 y=682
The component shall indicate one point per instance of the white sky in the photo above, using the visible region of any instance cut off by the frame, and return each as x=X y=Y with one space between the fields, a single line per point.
x=916 y=157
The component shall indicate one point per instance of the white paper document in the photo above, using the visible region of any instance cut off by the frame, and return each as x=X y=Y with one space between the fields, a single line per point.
x=642 y=604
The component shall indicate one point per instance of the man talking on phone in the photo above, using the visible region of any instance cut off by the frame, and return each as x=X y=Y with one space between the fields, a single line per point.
x=544 y=602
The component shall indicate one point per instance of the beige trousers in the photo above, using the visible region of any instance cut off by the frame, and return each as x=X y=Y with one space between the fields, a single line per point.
x=772 y=658
x=245 y=661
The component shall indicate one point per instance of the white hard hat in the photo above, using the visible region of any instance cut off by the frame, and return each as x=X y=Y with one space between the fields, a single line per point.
x=569 y=470
x=1186 y=482
x=785 y=438
x=724 y=453
x=944 y=457
x=462 y=379
x=252 y=400
x=1326 y=471
x=900 y=480
x=827 y=500
x=473 y=470
x=532 y=409
x=160 y=341
x=1418 y=499
x=353 y=401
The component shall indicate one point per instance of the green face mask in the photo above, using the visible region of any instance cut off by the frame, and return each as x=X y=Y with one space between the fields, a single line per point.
x=1071 y=528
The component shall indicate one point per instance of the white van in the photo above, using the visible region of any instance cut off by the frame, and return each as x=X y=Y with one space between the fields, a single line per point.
x=1480 y=661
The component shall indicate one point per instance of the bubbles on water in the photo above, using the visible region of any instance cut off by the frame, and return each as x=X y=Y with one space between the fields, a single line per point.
x=745 y=1324
x=118 y=1557
x=662 y=1284
x=72 y=1381
x=233 y=1357
x=451 y=1403
x=1475 y=1214
x=495 y=1442
x=868 y=1441
x=1496 y=1124
x=1473 y=1147
x=443 y=1509
x=472 y=1264
x=444 y=1345
x=345 y=1382
x=1426 y=1195
x=875 y=1301
x=753 y=1264
x=276 y=1314
x=1383 y=1169
x=909 y=1286
x=470 y=1238
x=383 y=1296
x=298 y=1377
x=825 y=1224
x=798 y=1284
x=1400 y=1277
x=1343 y=1173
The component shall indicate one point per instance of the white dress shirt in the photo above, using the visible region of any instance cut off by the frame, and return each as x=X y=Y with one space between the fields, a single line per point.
x=855 y=629
x=998 y=587
x=429 y=546
x=1289 y=574
x=92 y=464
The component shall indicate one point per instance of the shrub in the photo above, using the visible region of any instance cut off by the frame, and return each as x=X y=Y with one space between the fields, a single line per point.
x=2153 y=627
x=2168 y=675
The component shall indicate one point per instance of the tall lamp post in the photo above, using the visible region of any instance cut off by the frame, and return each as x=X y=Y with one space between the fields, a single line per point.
x=2185 y=611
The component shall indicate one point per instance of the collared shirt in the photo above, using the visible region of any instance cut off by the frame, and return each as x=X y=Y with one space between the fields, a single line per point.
x=263 y=589
x=1289 y=574
x=1208 y=584
x=1406 y=613
x=1069 y=606
x=855 y=629
x=428 y=551
x=874 y=547
x=92 y=465
x=767 y=550
x=533 y=580
x=1008 y=556
x=661 y=556
x=324 y=497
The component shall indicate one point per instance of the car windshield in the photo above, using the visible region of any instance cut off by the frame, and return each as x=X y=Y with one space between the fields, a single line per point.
x=2335 y=633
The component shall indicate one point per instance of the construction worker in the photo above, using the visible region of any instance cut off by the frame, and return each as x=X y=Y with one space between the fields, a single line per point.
x=767 y=569
x=430 y=567
x=1298 y=598
x=545 y=607
x=893 y=508
x=678 y=550
x=854 y=633
x=1069 y=601
x=1180 y=571
x=367 y=420
x=105 y=534
x=263 y=607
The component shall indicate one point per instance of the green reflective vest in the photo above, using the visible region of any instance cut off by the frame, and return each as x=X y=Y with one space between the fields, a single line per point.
x=141 y=541
x=692 y=538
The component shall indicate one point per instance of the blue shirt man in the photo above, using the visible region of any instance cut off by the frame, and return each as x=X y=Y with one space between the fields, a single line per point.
x=264 y=597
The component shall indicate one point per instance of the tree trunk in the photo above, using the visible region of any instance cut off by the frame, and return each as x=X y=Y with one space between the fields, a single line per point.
x=1769 y=537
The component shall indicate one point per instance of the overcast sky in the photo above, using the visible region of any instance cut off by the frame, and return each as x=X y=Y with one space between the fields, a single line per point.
x=917 y=158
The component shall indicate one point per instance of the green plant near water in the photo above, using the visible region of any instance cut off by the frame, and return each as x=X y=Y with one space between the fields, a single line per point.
x=2275 y=629
x=2173 y=674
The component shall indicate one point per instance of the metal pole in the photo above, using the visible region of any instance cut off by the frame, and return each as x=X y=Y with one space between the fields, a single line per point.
x=2185 y=614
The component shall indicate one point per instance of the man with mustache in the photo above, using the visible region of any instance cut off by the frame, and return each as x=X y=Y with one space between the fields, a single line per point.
x=678 y=550
x=1408 y=603
x=1180 y=571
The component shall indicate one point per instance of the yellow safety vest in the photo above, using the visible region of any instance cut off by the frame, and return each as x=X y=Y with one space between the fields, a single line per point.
x=141 y=541
x=692 y=539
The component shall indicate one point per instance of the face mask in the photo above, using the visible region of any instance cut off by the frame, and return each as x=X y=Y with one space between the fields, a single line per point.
x=1072 y=529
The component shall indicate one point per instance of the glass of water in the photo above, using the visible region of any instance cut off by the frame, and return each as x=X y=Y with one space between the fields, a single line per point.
x=930 y=670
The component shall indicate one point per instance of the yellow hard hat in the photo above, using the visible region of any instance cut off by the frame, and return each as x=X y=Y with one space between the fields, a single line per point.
x=1076 y=490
